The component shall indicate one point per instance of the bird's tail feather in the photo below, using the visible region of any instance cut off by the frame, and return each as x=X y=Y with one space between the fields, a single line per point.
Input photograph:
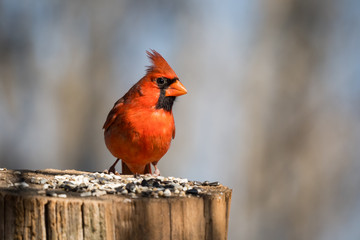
x=147 y=169
x=127 y=171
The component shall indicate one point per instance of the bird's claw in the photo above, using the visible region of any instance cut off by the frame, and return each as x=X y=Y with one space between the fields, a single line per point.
x=156 y=172
x=112 y=170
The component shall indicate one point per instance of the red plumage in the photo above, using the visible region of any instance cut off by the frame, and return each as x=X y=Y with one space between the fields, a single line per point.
x=140 y=126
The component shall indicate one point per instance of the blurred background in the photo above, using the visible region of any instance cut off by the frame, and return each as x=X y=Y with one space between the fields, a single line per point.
x=272 y=109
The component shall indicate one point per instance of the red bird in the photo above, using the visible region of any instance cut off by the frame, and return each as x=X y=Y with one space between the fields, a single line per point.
x=140 y=126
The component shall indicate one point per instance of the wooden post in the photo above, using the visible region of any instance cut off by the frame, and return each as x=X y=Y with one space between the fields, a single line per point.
x=27 y=211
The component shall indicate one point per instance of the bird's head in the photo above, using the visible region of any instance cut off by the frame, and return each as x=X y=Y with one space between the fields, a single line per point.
x=162 y=78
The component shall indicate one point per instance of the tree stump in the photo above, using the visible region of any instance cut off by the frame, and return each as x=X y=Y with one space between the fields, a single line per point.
x=44 y=205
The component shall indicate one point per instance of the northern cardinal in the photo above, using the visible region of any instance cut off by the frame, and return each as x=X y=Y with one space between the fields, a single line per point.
x=140 y=126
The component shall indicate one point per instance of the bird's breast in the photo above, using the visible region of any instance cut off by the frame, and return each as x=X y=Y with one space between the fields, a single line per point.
x=141 y=135
x=154 y=128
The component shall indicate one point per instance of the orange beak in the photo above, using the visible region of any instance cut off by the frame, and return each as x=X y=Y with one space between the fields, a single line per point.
x=175 y=89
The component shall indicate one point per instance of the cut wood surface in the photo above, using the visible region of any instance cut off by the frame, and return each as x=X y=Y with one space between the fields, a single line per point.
x=28 y=211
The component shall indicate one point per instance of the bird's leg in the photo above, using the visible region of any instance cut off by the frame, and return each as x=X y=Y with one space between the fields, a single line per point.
x=157 y=171
x=112 y=168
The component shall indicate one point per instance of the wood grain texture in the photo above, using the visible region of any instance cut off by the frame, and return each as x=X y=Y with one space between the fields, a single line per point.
x=28 y=215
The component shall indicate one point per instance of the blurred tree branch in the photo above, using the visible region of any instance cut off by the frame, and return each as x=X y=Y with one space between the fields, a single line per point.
x=291 y=132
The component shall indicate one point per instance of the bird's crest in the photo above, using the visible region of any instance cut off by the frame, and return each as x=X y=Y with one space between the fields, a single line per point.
x=159 y=64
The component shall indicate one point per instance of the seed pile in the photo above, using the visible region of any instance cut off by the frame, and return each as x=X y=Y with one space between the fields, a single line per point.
x=98 y=184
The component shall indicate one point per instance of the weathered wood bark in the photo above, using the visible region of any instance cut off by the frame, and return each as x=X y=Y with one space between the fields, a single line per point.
x=25 y=214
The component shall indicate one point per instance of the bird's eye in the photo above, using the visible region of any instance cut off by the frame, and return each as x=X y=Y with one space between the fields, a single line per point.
x=160 y=81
